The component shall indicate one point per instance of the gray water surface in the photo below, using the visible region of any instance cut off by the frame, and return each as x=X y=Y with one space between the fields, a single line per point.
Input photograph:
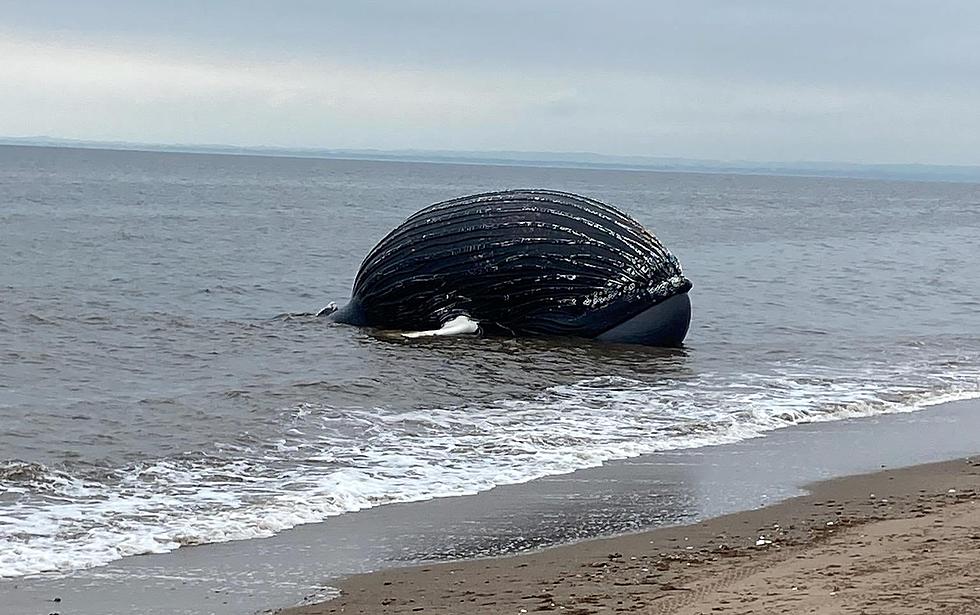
x=157 y=388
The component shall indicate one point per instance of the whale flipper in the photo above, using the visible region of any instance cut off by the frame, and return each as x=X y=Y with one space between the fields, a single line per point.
x=457 y=326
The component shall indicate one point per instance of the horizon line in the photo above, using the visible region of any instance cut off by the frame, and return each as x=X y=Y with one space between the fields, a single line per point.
x=546 y=159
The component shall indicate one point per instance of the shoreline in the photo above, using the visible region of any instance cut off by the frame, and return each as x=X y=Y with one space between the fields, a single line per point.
x=667 y=489
x=892 y=541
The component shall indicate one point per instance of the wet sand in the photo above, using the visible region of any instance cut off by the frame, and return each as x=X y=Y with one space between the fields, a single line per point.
x=890 y=542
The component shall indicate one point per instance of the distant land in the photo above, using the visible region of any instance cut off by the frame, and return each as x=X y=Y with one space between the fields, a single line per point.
x=585 y=160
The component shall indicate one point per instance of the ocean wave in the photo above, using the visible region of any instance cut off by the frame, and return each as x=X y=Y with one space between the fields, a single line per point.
x=329 y=461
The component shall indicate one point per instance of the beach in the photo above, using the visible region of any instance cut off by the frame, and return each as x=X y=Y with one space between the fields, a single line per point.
x=722 y=496
x=889 y=542
x=473 y=308
x=876 y=538
x=511 y=307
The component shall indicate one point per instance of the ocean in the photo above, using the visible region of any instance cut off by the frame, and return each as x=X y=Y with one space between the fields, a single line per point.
x=162 y=384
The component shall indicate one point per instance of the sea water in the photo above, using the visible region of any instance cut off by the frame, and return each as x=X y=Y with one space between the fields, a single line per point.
x=160 y=385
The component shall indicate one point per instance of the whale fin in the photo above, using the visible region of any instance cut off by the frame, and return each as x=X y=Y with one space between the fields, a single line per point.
x=457 y=326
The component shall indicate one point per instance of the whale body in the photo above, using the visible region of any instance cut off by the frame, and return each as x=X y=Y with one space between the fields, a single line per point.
x=523 y=263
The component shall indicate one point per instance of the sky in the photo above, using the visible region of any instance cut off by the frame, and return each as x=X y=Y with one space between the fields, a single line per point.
x=778 y=80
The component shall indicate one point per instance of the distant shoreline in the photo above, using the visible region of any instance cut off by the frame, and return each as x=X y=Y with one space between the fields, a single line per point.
x=582 y=160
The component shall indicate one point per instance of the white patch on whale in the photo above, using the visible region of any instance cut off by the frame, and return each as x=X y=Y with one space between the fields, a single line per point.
x=457 y=326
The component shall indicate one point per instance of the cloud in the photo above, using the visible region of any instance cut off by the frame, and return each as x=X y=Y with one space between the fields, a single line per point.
x=84 y=92
x=753 y=80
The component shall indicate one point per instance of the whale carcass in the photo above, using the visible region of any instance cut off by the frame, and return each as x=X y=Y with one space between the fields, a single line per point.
x=523 y=262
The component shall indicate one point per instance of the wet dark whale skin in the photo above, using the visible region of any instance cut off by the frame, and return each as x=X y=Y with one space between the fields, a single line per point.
x=524 y=262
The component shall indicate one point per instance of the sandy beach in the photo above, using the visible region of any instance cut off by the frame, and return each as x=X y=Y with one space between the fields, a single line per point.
x=895 y=541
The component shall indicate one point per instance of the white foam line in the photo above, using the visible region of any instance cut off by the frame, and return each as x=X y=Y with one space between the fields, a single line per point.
x=66 y=523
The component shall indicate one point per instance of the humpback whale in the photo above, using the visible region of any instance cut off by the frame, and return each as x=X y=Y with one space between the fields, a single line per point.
x=522 y=263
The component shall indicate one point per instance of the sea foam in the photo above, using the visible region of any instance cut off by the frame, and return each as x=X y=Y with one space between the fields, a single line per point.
x=56 y=522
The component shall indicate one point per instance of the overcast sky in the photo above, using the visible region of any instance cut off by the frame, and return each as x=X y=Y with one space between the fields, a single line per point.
x=864 y=81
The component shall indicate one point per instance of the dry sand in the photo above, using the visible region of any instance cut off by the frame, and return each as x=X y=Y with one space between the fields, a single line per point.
x=890 y=543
